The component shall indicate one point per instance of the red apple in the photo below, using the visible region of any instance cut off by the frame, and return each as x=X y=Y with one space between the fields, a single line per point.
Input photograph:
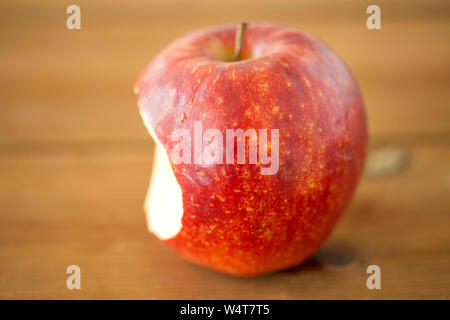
x=229 y=216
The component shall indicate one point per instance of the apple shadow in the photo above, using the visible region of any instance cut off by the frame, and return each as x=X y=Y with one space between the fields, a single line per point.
x=333 y=256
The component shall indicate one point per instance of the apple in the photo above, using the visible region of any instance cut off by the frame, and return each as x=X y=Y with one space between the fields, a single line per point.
x=227 y=215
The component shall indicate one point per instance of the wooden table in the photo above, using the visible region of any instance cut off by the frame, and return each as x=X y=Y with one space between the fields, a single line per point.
x=75 y=159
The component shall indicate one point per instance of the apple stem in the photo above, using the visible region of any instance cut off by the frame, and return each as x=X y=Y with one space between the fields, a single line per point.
x=238 y=40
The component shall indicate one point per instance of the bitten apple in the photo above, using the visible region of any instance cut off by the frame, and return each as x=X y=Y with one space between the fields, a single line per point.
x=229 y=216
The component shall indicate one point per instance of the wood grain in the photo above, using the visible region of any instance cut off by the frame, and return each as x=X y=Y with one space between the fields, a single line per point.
x=75 y=159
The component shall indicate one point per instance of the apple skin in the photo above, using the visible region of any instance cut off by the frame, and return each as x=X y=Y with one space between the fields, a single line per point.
x=236 y=220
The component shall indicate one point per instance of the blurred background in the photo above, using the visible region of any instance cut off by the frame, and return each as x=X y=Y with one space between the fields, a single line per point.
x=75 y=159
